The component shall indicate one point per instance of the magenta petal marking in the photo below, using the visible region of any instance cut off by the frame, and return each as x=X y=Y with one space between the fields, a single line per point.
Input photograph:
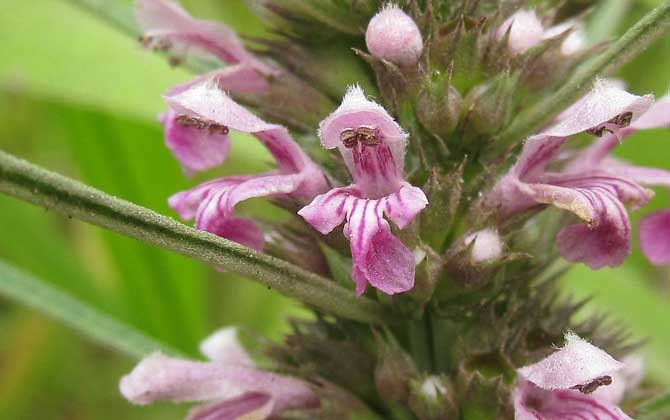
x=251 y=406
x=378 y=169
x=379 y=258
x=195 y=149
x=655 y=237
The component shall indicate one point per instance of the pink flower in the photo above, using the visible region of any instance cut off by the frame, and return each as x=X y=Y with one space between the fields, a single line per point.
x=596 y=195
x=167 y=26
x=526 y=31
x=232 y=386
x=373 y=147
x=655 y=237
x=561 y=386
x=211 y=203
x=393 y=36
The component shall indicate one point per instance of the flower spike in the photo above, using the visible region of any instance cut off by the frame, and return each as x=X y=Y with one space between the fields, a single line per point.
x=373 y=147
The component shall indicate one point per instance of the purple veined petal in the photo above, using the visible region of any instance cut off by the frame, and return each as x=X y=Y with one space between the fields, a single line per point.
x=525 y=31
x=487 y=246
x=375 y=143
x=167 y=24
x=598 y=107
x=403 y=205
x=186 y=203
x=250 y=406
x=578 y=362
x=196 y=149
x=328 y=211
x=534 y=403
x=392 y=35
x=223 y=346
x=378 y=256
x=654 y=234
x=160 y=378
x=606 y=242
x=241 y=230
x=650 y=177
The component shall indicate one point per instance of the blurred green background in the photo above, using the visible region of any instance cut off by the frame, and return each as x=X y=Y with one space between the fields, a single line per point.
x=78 y=97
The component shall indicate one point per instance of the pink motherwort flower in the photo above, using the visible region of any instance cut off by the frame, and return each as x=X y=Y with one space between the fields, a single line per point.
x=655 y=237
x=571 y=384
x=373 y=147
x=526 y=31
x=167 y=26
x=211 y=203
x=592 y=186
x=393 y=36
x=230 y=384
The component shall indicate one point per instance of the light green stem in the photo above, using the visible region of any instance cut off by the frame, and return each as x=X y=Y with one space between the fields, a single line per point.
x=76 y=314
x=631 y=44
x=39 y=186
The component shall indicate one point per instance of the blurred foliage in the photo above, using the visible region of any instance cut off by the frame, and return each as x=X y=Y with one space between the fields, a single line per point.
x=81 y=99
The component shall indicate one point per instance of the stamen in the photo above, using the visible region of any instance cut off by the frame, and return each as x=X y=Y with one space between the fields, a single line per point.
x=197 y=123
x=590 y=387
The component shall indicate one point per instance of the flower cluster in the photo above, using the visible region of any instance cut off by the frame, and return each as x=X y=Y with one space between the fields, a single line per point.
x=427 y=219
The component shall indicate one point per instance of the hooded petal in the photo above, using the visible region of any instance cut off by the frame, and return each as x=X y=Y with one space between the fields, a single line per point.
x=525 y=31
x=250 y=406
x=578 y=362
x=158 y=377
x=375 y=144
x=197 y=148
x=655 y=237
x=167 y=25
x=223 y=346
x=534 y=403
x=625 y=380
x=600 y=109
x=379 y=258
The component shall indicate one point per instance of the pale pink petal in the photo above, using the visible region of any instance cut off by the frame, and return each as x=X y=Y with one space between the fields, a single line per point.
x=605 y=102
x=655 y=237
x=158 y=377
x=223 y=346
x=574 y=42
x=623 y=381
x=376 y=168
x=328 y=211
x=487 y=245
x=249 y=406
x=196 y=149
x=165 y=22
x=402 y=206
x=578 y=362
x=525 y=31
x=393 y=36
x=534 y=403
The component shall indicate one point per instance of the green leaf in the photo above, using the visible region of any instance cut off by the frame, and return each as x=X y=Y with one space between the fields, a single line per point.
x=655 y=409
x=52 y=302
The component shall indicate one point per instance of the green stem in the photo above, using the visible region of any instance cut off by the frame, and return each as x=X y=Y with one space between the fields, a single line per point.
x=632 y=43
x=76 y=314
x=39 y=186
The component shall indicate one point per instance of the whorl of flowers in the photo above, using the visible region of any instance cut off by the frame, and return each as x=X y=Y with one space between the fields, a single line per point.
x=434 y=213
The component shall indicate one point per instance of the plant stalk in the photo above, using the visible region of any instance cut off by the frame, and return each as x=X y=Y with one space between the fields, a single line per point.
x=39 y=186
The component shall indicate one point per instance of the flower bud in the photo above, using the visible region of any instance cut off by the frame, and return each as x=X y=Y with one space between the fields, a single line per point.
x=438 y=108
x=525 y=31
x=393 y=36
x=394 y=371
x=486 y=245
x=432 y=398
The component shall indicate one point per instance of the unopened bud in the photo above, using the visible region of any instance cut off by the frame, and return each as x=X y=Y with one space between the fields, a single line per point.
x=486 y=245
x=432 y=399
x=438 y=108
x=394 y=371
x=393 y=36
x=525 y=31
x=489 y=104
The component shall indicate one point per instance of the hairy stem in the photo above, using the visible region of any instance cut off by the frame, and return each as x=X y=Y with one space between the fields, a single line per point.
x=632 y=43
x=48 y=300
x=39 y=186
